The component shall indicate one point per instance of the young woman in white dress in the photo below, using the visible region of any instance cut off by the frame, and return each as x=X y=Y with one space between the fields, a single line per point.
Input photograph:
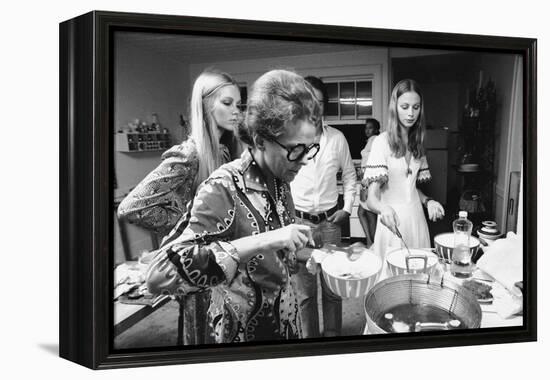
x=396 y=165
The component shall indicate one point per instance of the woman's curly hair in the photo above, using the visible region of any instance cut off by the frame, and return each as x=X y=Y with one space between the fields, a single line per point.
x=278 y=98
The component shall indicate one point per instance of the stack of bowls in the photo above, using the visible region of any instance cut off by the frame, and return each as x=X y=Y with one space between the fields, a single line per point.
x=489 y=231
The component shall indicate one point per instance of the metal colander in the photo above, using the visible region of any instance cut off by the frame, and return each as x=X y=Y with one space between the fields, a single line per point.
x=421 y=289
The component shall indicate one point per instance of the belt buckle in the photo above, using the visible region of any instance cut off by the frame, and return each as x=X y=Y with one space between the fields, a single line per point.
x=315 y=218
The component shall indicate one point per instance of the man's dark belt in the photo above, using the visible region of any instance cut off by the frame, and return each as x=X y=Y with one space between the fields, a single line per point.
x=316 y=218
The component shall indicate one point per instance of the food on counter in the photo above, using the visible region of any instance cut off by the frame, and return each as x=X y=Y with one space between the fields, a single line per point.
x=482 y=291
x=363 y=267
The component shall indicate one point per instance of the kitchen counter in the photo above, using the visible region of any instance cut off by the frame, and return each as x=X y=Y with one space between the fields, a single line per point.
x=490 y=313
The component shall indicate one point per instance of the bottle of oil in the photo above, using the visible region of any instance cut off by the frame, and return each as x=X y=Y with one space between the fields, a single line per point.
x=461 y=265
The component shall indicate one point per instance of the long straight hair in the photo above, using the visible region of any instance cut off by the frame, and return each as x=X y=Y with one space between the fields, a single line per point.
x=204 y=129
x=415 y=133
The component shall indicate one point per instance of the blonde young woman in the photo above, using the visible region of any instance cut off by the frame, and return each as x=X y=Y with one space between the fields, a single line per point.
x=159 y=201
x=162 y=198
x=396 y=165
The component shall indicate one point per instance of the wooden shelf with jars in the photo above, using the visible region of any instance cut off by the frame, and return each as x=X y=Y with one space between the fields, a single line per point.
x=139 y=136
x=142 y=142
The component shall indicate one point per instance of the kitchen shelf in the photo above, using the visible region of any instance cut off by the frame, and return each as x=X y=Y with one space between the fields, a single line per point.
x=142 y=142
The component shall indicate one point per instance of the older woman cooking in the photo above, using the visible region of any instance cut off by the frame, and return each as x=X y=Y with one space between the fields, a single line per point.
x=241 y=238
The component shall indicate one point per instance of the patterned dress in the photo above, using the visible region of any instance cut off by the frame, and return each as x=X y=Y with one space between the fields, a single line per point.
x=398 y=190
x=159 y=201
x=252 y=300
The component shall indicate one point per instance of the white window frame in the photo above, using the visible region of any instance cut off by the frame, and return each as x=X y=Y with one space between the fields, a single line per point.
x=348 y=119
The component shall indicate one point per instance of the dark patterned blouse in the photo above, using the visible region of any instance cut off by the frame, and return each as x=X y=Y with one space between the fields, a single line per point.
x=251 y=300
x=162 y=197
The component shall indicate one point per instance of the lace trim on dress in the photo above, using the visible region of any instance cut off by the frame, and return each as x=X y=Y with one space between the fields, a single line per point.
x=424 y=175
x=381 y=178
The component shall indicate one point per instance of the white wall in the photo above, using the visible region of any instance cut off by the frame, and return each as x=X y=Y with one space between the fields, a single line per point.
x=144 y=84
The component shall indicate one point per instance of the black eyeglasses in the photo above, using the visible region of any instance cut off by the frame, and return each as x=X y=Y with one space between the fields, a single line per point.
x=298 y=151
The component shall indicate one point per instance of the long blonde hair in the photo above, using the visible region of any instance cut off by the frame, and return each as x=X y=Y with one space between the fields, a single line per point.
x=204 y=129
x=416 y=132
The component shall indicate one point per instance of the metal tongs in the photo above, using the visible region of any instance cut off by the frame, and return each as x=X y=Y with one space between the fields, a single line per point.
x=403 y=240
x=431 y=326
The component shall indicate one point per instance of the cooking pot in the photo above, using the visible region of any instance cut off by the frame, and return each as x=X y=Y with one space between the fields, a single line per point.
x=420 y=302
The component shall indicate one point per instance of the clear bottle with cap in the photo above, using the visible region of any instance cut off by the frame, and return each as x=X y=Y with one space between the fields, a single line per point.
x=461 y=259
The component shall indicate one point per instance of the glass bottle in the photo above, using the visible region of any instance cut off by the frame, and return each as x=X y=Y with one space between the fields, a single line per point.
x=461 y=259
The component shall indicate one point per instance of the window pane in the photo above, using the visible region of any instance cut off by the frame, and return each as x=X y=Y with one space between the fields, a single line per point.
x=364 y=110
x=364 y=98
x=364 y=89
x=332 y=90
x=347 y=110
x=332 y=109
x=347 y=100
x=347 y=90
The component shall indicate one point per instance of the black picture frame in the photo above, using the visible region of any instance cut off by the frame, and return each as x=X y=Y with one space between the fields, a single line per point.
x=86 y=183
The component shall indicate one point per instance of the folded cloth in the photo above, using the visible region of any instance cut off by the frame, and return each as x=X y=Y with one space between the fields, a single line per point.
x=503 y=260
x=140 y=296
x=123 y=289
x=128 y=276
x=130 y=272
x=505 y=303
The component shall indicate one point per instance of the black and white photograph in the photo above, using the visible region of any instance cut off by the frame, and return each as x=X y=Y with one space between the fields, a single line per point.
x=267 y=190
x=271 y=190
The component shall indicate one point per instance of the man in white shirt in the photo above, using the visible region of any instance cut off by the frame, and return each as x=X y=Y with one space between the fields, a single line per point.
x=315 y=194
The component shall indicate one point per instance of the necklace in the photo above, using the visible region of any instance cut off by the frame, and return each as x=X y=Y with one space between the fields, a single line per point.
x=279 y=204
x=290 y=258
